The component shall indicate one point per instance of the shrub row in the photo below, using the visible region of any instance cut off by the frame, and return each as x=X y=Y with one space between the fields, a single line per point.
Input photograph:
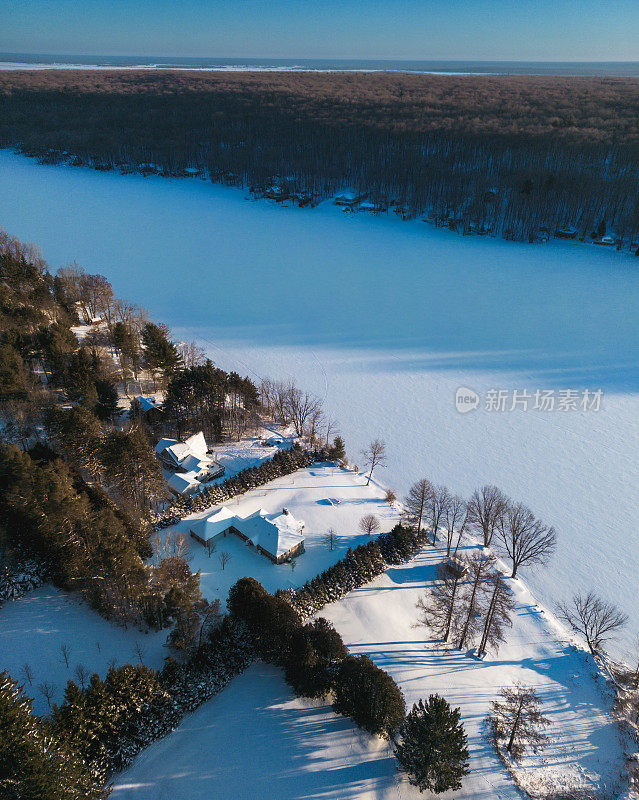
x=112 y=720
x=359 y=566
x=315 y=660
x=284 y=462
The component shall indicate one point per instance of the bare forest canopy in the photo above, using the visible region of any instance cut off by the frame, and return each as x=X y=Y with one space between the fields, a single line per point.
x=507 y=155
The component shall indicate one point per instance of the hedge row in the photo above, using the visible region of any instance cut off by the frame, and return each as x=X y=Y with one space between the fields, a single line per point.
x=112 y=720
x=359 y=566
x=315 y=660
x=284 y=462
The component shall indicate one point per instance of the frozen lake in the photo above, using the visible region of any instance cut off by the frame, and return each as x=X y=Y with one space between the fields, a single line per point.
x=386 y=320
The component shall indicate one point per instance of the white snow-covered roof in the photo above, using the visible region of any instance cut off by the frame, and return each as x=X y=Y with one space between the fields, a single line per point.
x=214 y=524
x=275 y=533
x=182 y=482
x=147 y=403
x=178 y=452
x=194 y=464
x=161 y=446
x=197 y=444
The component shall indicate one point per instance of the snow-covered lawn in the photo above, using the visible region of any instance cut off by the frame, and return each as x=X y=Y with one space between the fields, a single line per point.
x=33 y=627
x=385 y=319
x=323 y=497
x=257 y=741
x=584 y=748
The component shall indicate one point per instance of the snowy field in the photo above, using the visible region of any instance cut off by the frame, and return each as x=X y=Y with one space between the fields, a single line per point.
x=386 y=320
x=33 y=627
x=319 y=754
x=310 y=495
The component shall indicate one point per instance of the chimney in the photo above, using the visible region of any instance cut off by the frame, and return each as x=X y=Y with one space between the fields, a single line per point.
x=285 y=511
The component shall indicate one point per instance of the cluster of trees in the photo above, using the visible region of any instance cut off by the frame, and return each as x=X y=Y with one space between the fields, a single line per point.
x=469 y=606
x=490 y=514
x=507 y=155
x=87 y=543
x=430 y=742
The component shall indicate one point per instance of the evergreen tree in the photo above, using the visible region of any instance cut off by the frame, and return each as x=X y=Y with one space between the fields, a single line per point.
x=369 y=696
x=34 y=765
x=432 y=748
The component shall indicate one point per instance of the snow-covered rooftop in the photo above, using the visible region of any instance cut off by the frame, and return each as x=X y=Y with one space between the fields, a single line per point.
x=275 y=533
x=182 y=482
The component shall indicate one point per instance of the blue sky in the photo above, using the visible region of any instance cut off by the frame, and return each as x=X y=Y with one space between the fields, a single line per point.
x=545 y=30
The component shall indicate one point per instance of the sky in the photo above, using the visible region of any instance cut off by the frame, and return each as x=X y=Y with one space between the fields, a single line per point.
x=522 y=30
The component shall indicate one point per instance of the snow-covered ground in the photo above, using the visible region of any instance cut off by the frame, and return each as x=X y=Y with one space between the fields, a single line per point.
x=386 y=320
x=257 y=741
x=310 y=495
x=33 y=627
x=299 y=749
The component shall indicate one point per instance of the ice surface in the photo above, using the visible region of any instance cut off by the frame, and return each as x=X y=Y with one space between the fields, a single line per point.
x=385 y=320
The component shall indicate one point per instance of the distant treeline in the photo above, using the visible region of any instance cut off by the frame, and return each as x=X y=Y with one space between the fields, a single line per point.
x=512 y=156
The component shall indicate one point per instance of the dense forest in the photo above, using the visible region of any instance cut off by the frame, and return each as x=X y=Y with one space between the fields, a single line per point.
x=514 y=156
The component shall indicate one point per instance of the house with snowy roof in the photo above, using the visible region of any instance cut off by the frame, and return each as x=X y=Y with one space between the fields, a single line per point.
x=191 y=455
x=277 y=536
x=183 y=483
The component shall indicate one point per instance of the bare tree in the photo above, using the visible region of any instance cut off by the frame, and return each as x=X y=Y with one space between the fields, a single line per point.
x=440 y=607
x=418 y=496
x=65 y=653
x=224 y=558
x=47 y=690
x=454 y=520
x=330 y=427
x=369 y=524
x=27 y=671
x=330 y=539
x=518 y=717
x=313 y=425
x=301 y=406
x=480 y=567
x=140 y=651
x=524 y=538
x=192 y=355
x=485 y=509
x=595 y=619
x=210 y=619
x=82 y=674
x=211 y=546
x=436 y=508
x=374 y=455
x=170 y=544
x=390 y=497
x=498 y=616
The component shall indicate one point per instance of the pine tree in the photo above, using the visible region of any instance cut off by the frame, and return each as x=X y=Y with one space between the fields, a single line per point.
x=33 y=763
x=432 y=748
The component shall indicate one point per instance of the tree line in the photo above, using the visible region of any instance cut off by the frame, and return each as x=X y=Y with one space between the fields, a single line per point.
x=513 y=156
